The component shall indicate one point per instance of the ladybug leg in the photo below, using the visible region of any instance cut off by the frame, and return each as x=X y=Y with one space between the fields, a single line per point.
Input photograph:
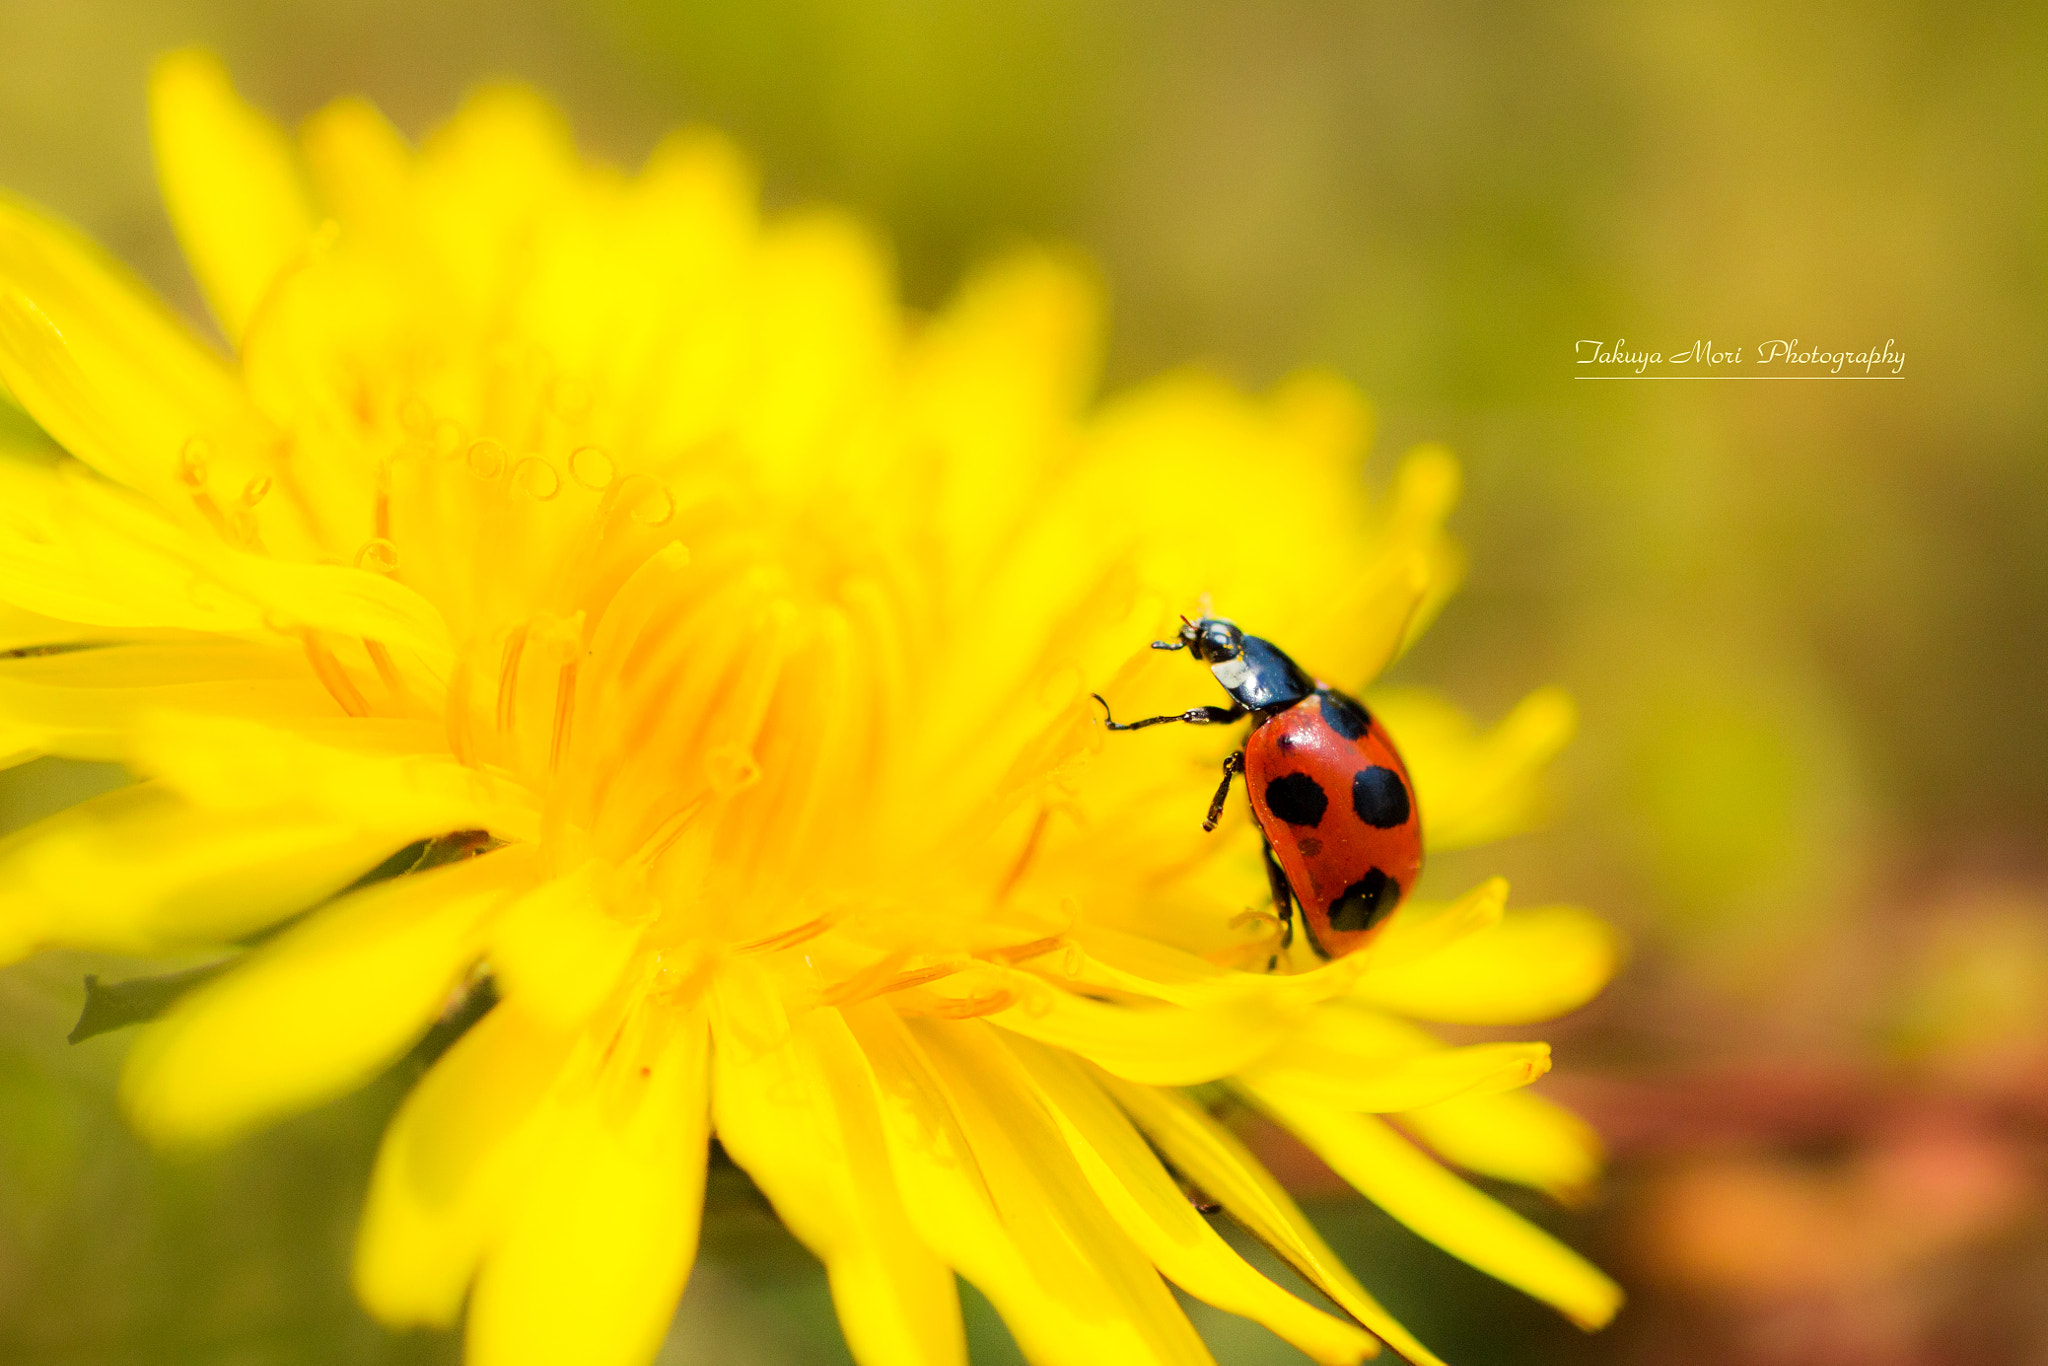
x=1283 y=897
x=1232 y=766
x=1194 y=716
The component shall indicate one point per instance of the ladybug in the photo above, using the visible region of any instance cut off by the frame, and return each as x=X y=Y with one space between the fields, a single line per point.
x=1342 y=833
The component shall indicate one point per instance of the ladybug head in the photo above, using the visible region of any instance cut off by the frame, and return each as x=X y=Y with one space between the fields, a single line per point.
x=1212 y=639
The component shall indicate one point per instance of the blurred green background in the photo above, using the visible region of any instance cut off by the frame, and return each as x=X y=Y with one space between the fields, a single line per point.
x=1807 y=622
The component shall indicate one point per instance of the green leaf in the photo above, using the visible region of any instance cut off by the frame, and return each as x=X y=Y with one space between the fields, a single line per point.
x=116 y=1005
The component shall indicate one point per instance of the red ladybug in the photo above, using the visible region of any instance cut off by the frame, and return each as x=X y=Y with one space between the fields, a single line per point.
x=1343 y=836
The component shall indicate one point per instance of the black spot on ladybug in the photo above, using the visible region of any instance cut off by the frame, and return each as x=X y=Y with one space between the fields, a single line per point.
x=1310 y=846
x=1343 y=715
x=1379 y=797
x=1365 y=903
x=1297 y=799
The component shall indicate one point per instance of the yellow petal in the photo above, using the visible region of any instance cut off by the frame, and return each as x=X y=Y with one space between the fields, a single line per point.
x=1420 y=929
x=1533 y=965
x=226 y=764
x=1157 y=1045
x=641 y=290
x=1403 y=1083
x=945 y=1192
x=1396 y=1176
x=317 y=1011
x=1323 y=413
x=1425 y=488
x=1136 y=963
x=86 y=703
x=453 y=1159
x=560 y=949
x=20 y=743
x=1210 y=1156
x=23 y=630
x=1045 y=1199
x=827 y=333
x=76 y=547
x=985 y=1213
x=1147 y=1204
x=359 y=164
x=1182 y=437
x=289 y=596
x=1376 y=617
x=113 y=377
x=139 y=871
x=229 y=181
x=592 y=1260
x=1519 y=1137
x=1118 y=963
x=314 y=361
x=998 y=379
x=1472 y=788
x=484 y=179
x=802 y=1118
x=55 y=562
x=1147 y=969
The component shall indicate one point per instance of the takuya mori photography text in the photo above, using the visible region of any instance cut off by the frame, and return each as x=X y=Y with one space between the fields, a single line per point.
x=1777 y=358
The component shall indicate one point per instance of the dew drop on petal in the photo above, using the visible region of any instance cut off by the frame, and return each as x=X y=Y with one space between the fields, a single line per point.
x=378 y=555
x=486 y=460
x=415 y=417
x=591 y=467
x=536 y=478
x=447 y=437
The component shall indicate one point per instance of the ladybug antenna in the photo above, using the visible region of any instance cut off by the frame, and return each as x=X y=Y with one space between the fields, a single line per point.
x=1182 y=639
x=1179 y=642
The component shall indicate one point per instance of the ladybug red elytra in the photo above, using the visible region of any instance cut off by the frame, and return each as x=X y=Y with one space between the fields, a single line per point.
x=1343 y=835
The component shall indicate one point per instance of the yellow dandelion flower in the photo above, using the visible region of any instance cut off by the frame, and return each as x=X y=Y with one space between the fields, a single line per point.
x=740 y=629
